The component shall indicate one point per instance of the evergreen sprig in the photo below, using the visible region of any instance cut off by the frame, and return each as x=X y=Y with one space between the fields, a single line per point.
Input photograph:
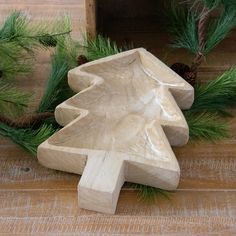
x=29 y=139
x=14 y=61
x=183 y=25
x=219 y=28
x=206 y=126
x=216 y=96
x=149 y=194
x=100 y=47
x=19 y=37
x=211 y=4
x=13 y=102
x=57 y=89
x=28 y=35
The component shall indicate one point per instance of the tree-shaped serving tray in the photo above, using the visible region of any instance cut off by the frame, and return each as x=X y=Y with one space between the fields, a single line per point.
x=119 y=127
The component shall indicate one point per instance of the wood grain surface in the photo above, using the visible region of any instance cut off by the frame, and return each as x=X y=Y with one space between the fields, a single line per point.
x=38 y=201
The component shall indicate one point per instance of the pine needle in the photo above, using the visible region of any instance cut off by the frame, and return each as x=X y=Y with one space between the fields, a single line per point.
x=229 y=4
x=57 y=89
x=19 y=38
x=182 y=27
x=27 y=138
x=220 y=28
x=63 y=60
x=12 y=101
x=14 y=61
x=149 y=194
x=100 y=47
x=19 y=29
x=206 y=126
x=183 y=24
x=211 y=4
x=216 y=96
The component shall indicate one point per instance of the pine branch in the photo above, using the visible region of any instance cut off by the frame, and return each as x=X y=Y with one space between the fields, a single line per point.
x=211 y=4
x=220 y=28
x=27 y=138
x=19 y=38
x=182 y=27
x=100 y=47
x=65 y=58
x=202 y=30
x=57 y=89
x=229 y=4
x=14 y=61
x=211 y=100
x=19 y=29
x=206 y=126
x=12 y=101
x=149 y=194
x=216 y=96
x=193 y=29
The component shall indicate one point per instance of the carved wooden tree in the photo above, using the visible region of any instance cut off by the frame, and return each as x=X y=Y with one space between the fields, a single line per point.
x=119 y=127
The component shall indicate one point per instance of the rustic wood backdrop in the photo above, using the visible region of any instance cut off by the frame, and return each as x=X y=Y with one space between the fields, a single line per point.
x=36 y=200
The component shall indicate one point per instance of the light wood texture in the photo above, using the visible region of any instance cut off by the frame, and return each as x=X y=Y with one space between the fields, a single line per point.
x=57 y=213
x=118 y=127
x=30 y=193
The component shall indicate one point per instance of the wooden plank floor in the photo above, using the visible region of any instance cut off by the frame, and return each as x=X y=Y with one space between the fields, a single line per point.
x=39 y=201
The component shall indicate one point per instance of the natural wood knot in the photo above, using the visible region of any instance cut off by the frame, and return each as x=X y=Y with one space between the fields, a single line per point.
x=25 y=169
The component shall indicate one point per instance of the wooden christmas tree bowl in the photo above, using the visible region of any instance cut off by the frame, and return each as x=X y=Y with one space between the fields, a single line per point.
x=119 y=127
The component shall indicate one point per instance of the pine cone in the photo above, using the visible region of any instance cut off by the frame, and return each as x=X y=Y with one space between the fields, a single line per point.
x=190 y=77
x=180 y=68
x=82 y=60
x=185 y=72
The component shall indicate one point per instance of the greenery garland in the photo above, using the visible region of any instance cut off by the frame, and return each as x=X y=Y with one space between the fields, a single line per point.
x=204 y=118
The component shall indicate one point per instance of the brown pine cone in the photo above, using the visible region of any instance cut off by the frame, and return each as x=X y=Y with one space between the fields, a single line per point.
x=185 y=72
x=82 y=60
x=180 y=68
x=190 y=77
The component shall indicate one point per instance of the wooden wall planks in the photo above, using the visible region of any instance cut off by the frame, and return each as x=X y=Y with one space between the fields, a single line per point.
x=35 y=200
